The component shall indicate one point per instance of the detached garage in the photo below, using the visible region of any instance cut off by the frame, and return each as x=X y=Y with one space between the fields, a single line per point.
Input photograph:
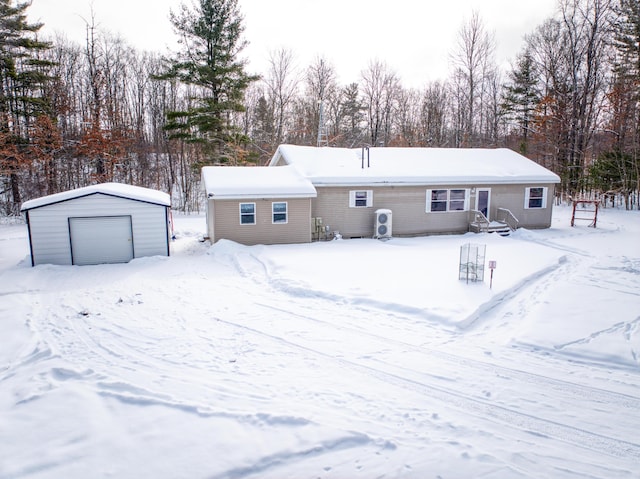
x=105 y=223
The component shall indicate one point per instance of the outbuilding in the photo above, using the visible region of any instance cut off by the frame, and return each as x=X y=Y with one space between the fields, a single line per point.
x=104 y=223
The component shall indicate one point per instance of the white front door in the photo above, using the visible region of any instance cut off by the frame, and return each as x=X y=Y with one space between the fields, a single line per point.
x=483 y=201
x=101 y=239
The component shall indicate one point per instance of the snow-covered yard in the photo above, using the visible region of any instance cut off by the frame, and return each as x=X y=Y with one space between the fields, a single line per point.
x=340 y=359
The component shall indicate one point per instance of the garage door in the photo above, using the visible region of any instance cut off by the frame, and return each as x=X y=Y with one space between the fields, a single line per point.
x=102 y=239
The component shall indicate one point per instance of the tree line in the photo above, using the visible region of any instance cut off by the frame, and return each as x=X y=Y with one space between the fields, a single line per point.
x=76 y=114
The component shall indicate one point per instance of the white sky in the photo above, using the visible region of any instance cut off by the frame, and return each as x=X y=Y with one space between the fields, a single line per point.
x=414 y=37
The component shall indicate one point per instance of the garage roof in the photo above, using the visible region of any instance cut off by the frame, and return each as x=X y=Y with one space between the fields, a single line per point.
x=112 y=189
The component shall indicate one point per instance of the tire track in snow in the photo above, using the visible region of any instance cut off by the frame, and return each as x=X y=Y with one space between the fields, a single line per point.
x=481 y=409
x=539 y=283
x=544 y=382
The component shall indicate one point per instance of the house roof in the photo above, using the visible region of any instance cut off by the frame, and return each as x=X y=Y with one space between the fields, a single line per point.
x=412 y=166
x=229 y=182
x=112 y=189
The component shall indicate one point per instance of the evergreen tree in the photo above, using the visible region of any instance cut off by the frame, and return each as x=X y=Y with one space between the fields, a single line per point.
x=352 y=115
x=210 y=32
x=22 y=76
x=264 y=129
x=627 y=36
x=614 y=171
x=521 y=96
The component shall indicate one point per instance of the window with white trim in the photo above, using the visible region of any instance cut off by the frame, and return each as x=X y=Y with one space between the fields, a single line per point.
x=535 y=197
x=279 y=212
x=447 y=200
x=247 y=213
x=361 y=199
x=457 y=200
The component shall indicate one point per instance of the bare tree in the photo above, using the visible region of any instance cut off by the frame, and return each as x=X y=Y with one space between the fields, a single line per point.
x=457 y=93
x=473 y=64
x=550 y=117
x=434 y=115
x=281 y=86
x=407 y=119
x=321 y=93
x=492 y=111
x=585 y=24
x=572 y=55
x=379 y=88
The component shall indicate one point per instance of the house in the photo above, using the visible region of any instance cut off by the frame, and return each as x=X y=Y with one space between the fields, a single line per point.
x=384 y=192
x=427 y=190
x=252 y=205
x=105 y=223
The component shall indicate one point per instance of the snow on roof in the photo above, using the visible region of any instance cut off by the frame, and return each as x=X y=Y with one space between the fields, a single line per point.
x=228 y=182
x=410 y=166
x=112 y=189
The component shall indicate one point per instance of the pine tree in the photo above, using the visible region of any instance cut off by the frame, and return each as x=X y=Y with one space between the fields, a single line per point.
x=210 y=33
x=352 y=115
x=521 y=96
x=627 y=36
x=22 y=76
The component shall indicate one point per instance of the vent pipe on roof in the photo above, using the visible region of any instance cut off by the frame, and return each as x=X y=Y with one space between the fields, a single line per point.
x=368 y=163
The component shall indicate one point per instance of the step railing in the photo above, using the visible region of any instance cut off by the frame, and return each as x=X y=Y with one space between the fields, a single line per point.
x=507 y=217
x=478 y=222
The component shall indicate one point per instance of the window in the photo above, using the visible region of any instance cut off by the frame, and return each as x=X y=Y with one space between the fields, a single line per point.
x=361 y=199
x=247 y=213
x=535 y=197
x=279 y=211
x=457 y=200
x=438 y=200
x=447 y=200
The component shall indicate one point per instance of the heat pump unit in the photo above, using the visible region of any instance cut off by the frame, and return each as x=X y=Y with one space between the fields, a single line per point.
x=383 y=224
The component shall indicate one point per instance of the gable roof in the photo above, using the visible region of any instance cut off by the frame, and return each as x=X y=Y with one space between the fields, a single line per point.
x=330 y=166
x=243 y=182
x=120 y=190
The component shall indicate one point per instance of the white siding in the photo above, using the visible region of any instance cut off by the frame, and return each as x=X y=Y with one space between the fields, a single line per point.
x=49 y=226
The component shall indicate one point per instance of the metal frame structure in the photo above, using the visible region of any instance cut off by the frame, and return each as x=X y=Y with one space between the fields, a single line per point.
x=584 y=203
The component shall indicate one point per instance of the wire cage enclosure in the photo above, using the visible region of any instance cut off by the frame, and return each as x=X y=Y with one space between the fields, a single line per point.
x=472 y=262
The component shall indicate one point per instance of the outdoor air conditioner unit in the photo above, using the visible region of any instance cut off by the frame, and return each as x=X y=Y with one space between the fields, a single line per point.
x=383 y=224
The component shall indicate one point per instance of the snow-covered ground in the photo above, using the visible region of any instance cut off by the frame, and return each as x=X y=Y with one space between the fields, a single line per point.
x=340 y=359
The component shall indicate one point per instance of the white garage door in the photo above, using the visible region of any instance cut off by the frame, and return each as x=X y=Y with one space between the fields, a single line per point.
x=102 y=239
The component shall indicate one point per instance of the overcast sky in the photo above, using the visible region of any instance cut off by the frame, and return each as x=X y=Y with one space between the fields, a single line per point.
x=414 y=37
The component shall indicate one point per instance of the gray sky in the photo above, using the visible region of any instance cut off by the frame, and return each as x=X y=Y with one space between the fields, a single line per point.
x=414 y=37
